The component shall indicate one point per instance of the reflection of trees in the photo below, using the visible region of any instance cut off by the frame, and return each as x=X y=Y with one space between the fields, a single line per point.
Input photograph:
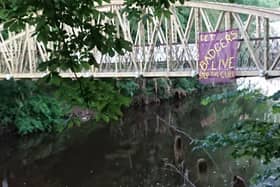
x=132 y=153
x=209 y=119
x=21 y=157
x=161 y=125
x=233 y=106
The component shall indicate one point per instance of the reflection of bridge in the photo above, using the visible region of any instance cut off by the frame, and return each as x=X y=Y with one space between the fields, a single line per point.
x=162 y=47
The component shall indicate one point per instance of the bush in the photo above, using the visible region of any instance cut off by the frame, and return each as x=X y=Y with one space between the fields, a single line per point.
x=100 y=96
x=40 y=114
x=11 y=96
x=127 y=87
x=253 y=137
x=24 y=108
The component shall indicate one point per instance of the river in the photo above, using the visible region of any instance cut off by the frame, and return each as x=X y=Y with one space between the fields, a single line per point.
x=137 y=151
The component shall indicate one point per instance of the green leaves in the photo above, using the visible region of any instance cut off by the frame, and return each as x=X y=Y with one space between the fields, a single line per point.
x=161 y=7
x=122 y=46
x=11 y=96
x=40 y=114
x=135 y=8
x=276 y=96
x=233 y=95
x=67 y=26
x=251 y=138
x=23 y=106
x=127 y=87
x=276 y=108
x=99 y=96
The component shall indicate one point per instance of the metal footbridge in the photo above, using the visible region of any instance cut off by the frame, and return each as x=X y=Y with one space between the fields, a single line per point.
x=162 y=46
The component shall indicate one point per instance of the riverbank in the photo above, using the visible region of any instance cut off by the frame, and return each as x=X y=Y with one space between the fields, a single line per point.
x=28 y=107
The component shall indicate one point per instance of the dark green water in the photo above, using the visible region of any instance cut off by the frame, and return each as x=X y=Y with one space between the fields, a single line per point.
x=134 y=152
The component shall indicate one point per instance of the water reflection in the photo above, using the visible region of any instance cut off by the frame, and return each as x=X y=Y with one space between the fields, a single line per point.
x=8 y=179
x=5 y=181
x=238 y=182
x=150 y=146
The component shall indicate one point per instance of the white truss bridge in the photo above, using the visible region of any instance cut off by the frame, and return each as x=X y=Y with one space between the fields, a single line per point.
x=162 y=47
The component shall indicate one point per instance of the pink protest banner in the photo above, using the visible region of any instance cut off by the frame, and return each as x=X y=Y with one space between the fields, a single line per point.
x=218 y=56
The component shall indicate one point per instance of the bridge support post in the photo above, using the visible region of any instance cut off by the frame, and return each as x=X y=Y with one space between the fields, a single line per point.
x=169 y=43
x=142 y=43
x=266 y=43
x=29 y=50
x=118 y=35
x=198 y=29
x=228 y=20
x=258 y=27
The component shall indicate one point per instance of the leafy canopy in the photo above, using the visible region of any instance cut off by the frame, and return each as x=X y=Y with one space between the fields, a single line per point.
x=73 y=28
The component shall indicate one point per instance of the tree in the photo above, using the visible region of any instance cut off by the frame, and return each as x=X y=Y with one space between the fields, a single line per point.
x=67 y=25
x=253 y=138
x=72 y=29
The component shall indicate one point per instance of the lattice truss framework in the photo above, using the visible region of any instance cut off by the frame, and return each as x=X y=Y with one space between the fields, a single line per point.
x=162 y=47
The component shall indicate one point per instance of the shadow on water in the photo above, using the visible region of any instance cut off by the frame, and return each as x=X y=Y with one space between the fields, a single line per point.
x=138 y=151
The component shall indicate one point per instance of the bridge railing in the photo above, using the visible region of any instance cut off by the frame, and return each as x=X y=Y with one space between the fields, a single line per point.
x=246 y=62
x=162 y=46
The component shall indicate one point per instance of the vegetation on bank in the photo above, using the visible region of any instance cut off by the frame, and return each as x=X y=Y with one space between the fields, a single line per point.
x=25 y=108
x=250 y=136
x=38 y=106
